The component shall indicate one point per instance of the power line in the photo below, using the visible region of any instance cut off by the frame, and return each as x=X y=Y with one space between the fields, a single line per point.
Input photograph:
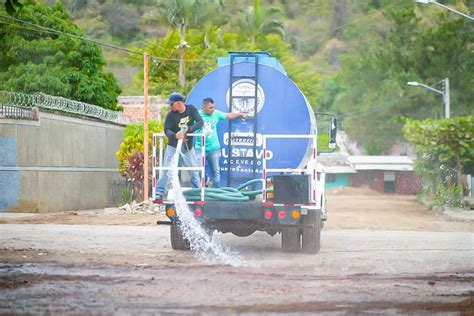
x=71 y=35
x=345 y=25
x=123 y=49
x=22 y=27
x=141 y=54
x=336 y=28
x=99 y=14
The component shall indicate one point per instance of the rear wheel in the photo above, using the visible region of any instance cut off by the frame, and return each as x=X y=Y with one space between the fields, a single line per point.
x=243 y=232
x=311 y=239
x=290 y=239
x=178 y=242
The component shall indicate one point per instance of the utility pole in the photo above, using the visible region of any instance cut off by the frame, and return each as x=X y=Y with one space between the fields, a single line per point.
x=444 y=93
x=145 y=126
x=446 y=98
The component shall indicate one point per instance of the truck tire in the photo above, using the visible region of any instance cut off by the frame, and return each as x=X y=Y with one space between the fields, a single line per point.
x=290 y=239
x=243 y=232
x=311 y=239
x=178 y=242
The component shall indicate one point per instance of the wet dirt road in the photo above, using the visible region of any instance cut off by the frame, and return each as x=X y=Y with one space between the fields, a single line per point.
x=132 y=269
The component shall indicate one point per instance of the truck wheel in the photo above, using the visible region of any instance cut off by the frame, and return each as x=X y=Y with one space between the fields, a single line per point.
x=290 y=239
x=311 y=238
x=243 y=232
x=178 y=242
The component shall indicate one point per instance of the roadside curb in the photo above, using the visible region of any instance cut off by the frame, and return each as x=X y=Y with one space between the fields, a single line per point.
x=459 y=216
x=17 y=215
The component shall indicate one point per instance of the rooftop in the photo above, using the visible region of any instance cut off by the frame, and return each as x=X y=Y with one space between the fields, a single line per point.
x=395 y=163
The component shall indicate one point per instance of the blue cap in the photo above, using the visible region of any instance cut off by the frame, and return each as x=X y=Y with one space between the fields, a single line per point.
x=174 y=97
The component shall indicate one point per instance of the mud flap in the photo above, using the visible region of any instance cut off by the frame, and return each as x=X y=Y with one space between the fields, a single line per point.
x=178 y=242
x=311 y=239
x=290 y=239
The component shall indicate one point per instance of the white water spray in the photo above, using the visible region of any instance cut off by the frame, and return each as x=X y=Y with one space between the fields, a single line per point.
x=199 y=238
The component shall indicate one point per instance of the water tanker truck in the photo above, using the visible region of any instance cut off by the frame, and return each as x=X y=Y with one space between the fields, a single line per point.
x=269 y=176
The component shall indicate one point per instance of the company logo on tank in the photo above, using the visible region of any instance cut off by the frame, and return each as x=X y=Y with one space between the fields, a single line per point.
x=243 y=139
x=243 y=92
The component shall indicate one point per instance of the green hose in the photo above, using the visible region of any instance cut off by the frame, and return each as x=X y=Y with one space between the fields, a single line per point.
x=224 y=193
x=246 y=184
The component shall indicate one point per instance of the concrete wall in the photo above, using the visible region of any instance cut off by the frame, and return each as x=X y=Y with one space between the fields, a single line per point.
x=58 y=163
x=341 y=180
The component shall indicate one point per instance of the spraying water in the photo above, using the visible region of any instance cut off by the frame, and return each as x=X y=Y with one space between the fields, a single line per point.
x=199 y=238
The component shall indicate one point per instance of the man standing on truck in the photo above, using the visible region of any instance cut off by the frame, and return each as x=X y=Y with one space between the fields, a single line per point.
x=181 y=120
x=211 y=117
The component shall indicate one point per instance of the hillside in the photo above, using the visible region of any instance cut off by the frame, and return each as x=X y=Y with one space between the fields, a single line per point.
x=318 y=31
x=350 y=57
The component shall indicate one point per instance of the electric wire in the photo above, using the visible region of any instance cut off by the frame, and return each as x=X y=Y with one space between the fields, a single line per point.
x=123 y=49
x=155 y=58
x=71 y=35
x=22 y=33
x=318 y=34
x=343 y=26
x=151 y=56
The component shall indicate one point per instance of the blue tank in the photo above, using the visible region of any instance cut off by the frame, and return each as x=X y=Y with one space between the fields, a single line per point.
x=281 y=109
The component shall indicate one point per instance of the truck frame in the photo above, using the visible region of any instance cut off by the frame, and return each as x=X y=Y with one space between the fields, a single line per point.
x=292 y=202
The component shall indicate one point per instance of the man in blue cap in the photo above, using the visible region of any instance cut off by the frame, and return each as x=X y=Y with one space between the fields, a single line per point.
x=181 y=117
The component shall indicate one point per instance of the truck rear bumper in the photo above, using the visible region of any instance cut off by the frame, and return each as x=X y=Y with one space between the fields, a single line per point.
x=217 y=214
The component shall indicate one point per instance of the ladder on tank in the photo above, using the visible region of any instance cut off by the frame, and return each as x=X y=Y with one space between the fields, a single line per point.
x=249 y=57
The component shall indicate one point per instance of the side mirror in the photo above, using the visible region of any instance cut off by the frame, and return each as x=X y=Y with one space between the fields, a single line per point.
x=332 y=132
x=327 y=130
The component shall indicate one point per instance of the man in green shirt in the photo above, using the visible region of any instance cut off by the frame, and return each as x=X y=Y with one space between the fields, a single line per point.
x=211 y=117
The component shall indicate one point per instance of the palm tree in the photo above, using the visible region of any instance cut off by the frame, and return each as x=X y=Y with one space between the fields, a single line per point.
x=257 y=21
x=183 y=14
x=12 y=5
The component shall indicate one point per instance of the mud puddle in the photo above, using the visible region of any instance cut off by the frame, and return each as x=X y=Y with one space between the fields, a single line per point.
x=217 y=289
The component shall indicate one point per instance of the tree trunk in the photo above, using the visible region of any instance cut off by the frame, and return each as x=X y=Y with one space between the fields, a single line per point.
x=182 y=44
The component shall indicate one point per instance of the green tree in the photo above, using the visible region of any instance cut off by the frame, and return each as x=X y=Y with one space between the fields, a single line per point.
x=183 y=14
x=12 y=5
x=444 y=148
x=255 y=21
x=202 y=59
x=420 y=46
x=164 y=71
x=131 y=157
x=133 y=141
x=301 y=72
x=35 y=60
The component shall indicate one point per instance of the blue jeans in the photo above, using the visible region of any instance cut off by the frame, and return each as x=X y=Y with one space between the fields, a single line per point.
x=212 y=166
x=188 y=159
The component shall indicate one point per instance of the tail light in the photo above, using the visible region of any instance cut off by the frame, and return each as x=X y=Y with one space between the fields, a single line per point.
x=170 y=212
x=198 y=212
x=268 y=214
x=295 y=214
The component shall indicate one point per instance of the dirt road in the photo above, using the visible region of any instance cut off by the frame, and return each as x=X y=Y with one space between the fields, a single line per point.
x=370 y=261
